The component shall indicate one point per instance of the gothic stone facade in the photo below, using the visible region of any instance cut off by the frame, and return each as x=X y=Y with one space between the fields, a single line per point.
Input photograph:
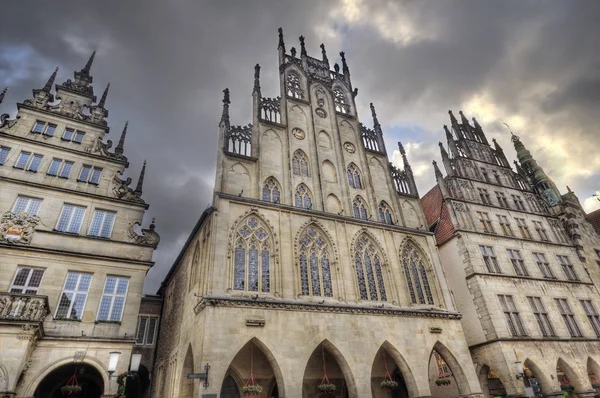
x=516 y=269
x=310 y=266
x=72 y=266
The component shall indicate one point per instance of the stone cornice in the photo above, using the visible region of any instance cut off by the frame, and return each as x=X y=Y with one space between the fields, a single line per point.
x=527 y=278
x=60 y=116
x=288 y=305
x=525 y=339
x=542 y=242
x=322 y=214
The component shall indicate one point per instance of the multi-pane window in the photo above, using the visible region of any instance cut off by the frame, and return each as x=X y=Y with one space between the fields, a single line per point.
x=485 y=174
x=339 y=98
x=90 y=174
x=484 y=220
x=43 y=128
x=60 y=168
x=74 y=295
x=568 y=317
x=567 y=267
x=558 y=230
x=385 y=213
x=497 y=177
x=505 y=225
x=73 y=135
x=252 y=257
x=28 y=161
x=4 y=151
x=359 y=208
x=521 y=183
x=592 y=315
x=369 y=272
x=146 y=330
x=354 y=179
x=300 y=164
x=485 y=196
x=271 y=192
x=518 y=202
x=27 y=280
x=302 y=197
x=540 y=260
x=523 y=228
x=314 y=259
x=539 y=227
x=70 y=219
x=416 y=275
x=490 y=260
x=293 y=86
x=511 y=314
x=517 y=262
x=102 y=223
x=501 y=197
x=541 y=316
x=113 y=299
x=24 y=204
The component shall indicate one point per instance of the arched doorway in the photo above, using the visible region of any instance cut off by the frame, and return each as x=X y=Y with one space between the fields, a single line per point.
x=491 y=385
x=324 y=367
x=251 y=366
x=567 y=378
x=534 y=380
x=442 y=382
x=386 y=367
x=87 y=376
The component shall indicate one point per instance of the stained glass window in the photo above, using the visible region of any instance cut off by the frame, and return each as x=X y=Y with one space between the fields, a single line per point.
x=385 y=213
x=251 y=257
x=359 y=208
x=300 y=164
x=354 y=177
x=302 y=197
x=368 y=270
x=416 y=275
x=442 y=366
x=271 y=191
x=315 y=272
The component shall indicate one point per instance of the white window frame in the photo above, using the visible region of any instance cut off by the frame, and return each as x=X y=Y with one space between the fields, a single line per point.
x=113 y=296
x=104 y=214
x=146 y=330
x=74 y=292
x=26 y=286
x=30 y=158
x=61 y=168
x=90 y=174
x=44 y=130
x=71 y=218
x=74 y=134
x=30 y=201
x=4 y=150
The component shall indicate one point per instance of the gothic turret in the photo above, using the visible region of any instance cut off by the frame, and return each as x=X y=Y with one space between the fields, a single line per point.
x=281 y=47
x=43 y=96
x=82 y=82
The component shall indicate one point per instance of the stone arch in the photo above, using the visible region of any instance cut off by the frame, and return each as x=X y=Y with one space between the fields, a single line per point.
x=324 y=139
x=544 y=381
x=301 y=164
x=333 y=204
x=3 y=378
x=232 y=384
x=424 y=274
x=339 y=359
x=91 y=361
x=270 y=190
x=369 y=272
x=186 y=386
x=329 y=172
x=462 y=382
x=490 y=382
x=398 y=359
x=593 y=371
x=240 y=219
x=238 y=179
x=347 y=132
x=271 y=148
x=572 y=374
x=321 y=228
x=411 y=216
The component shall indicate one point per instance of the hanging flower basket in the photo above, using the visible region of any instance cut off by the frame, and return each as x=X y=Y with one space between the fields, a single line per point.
x=567 y=387
x=252 y=390
x=443 y=382
x=70 y=390
x=389 y=385
x=595 y=385
x=326 y=388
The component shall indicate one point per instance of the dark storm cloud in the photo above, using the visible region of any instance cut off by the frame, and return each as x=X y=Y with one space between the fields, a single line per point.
x=169 y=61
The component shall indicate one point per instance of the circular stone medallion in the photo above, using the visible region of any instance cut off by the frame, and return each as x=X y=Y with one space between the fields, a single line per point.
x=299 y=134
x=348 y=146
x=321 y=113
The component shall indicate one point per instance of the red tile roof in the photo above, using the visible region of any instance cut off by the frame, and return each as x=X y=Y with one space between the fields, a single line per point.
x=594 y=219
x=437 y=210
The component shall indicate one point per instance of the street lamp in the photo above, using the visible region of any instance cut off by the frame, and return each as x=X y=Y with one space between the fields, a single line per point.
x=113 y=360
x=520 y=371
x=134 y=366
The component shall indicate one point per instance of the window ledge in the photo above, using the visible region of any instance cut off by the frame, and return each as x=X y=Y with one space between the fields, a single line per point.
x=107 y=322
x=67 y=319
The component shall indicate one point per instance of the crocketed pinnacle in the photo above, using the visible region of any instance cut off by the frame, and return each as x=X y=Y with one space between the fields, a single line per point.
x=140 y=183
x=281 y=43
x=121 y=145
x=324 y=53
x=374 y=115
x=103 y=98
x=226 y=102
x=344 y=64
x=302 y=47
x=48 y=87
x=438 y=173
x=404 y=158
x=257 y=79
x=3 y=94
x=88 y=65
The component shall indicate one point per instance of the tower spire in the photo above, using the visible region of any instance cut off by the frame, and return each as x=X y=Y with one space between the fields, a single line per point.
x=302 y=47
x=226 y=102
x=103 y=98
x=438 y=174
x=344 y=64
x=324 y=53
x=48 y=86
x=374 y=115
x=3 y=94
x=120 y=146
x=140 y=183
x=257 y=79
x=404 y=158
x=88 y=65
x=281 y=44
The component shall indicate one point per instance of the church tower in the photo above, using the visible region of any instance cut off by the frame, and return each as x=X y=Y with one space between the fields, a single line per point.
x=72 y=262
x=312 y=269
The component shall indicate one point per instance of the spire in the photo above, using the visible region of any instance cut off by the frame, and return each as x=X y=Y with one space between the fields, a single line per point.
x=293 y=52
x=448 y=133
x=257 y=79
x=140 y=183
x=375 y=121
x=103 y=98
x=281 y=44
x=453 y=120
x=3 y=94
x=336 y=67
x=443 y=150
x=476 y=124
x=121 y=144
x=324 y=53
x=344 y=65
x=404 y=158
x=226 y=102
x=88 y=65
x=48 y=87
x=438 y=174
x=302 y=48
x=496 y=145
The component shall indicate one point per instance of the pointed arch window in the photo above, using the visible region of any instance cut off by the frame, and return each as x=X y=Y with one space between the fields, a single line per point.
x=368 y=270
x=314 y=259
x=339 y=98
x=300 y=164
x=302 y=197
x=442 y=366
x=416 y=276
x=354 y=179
x=251 y=257
x=294 y=86
x=385 y=213
x=271 y=191
x=359 y=208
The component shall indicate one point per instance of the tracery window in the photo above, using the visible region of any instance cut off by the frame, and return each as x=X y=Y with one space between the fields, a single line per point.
x=252 y=254
x=359 y=208
x=302 y=197
x=354 y=179
x=416 y=275
x=385 y=213
x=314 y=258
x=300 y=164
x=294 y=87
x=340 y=101
x=368 y=270
x=271 y=192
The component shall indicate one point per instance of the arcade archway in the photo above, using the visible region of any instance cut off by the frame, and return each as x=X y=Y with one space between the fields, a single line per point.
x=86 y=376
x=327 y=366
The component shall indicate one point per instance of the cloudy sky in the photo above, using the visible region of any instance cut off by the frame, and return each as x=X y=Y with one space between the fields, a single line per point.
x=532 y=64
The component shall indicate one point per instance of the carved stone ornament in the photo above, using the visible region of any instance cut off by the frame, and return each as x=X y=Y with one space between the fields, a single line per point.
x=349 y=147
x=148 y=237
x=6 y=122
x=322 y=113
x=17 y=228
x=298 y=133
x=79 y=355
x=122 y=191
x=458 y=206
x=23 y=307
x=103 y=149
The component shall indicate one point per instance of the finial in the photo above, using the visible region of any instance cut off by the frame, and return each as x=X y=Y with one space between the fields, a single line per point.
x=344 y=65
x=103 y=98
x=404 y=158
x=375 y=121
x=302 y=48
x=257 y=78
x=88 y=65
x=293 y=52
x=336 y=67
x=448 y=133
x=50 y=81
x=281 y=43
x=438 y=173
x=463 y=118
x=569 y=189
x=153 y=223
x=496 y=145
x=120 y=146
x=140 y=183
x=452 y=118
x=476 y=123
x=3 y=94
x=324 y=53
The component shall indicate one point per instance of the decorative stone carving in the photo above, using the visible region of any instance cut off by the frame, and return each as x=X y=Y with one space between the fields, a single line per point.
x=17 y=228
x=79 y=355
x=24 y=307
x=122 y=191
x=103 y=149
x=6 y=122
x=349 y=147
x=148 y=237
x=298 y=133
